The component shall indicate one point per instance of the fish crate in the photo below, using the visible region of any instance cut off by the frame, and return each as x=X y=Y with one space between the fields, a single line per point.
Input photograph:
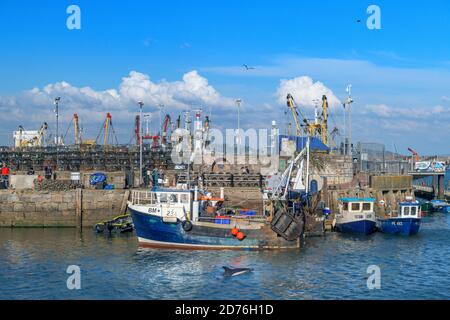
x=222 y=220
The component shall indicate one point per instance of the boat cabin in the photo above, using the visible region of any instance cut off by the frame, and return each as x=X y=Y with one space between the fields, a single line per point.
x=409 y=210
x=167 y=203
x=357 y=205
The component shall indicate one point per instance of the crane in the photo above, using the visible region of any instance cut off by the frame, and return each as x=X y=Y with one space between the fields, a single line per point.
x=76 y=125
x=167 y=121
x=42 y=131
x=107 y=124
x=319 y=127
x=28 y=139
x=295 y=112
x=415 y=154
x=147 y=136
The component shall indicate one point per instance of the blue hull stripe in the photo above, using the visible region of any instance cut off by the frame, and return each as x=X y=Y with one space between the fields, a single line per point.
x=365 y=227
x=408 y=226
x=156 y=233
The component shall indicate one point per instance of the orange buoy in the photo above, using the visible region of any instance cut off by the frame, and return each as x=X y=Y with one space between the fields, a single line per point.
x=234 y=231
x=240 y=236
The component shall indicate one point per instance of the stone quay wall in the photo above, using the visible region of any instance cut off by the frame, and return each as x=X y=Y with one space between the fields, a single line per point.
x=75 y=208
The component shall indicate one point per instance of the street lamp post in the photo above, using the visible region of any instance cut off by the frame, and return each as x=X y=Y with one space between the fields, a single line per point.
x=57 y=100
x=349 y=124
x=141 y=104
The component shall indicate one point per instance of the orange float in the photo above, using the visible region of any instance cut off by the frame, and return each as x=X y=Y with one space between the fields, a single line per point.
x=234 y=231
x=240 y=236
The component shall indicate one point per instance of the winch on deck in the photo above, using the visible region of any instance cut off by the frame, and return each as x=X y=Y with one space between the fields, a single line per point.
x=288 y=224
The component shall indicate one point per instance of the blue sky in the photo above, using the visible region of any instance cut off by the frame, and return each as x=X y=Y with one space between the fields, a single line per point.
x=400 y=74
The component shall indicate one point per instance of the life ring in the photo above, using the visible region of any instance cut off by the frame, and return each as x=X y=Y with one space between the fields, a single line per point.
x=187 y=225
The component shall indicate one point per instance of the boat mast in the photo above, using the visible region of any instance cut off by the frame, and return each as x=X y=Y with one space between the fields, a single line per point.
x=307 y=164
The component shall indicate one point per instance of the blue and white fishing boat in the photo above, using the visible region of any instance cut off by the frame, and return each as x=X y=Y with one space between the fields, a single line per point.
x=188 y=219
x=356 y=216
x=440 y=206
x=193 y=219
x=405 y=221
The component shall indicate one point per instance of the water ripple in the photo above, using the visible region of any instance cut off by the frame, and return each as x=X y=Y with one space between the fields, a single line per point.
x=33 y=265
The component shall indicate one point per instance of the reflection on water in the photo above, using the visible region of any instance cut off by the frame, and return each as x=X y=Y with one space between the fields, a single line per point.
x=33 y=265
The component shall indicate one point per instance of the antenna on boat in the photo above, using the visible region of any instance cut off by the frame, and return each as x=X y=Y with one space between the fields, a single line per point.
x=349 y=103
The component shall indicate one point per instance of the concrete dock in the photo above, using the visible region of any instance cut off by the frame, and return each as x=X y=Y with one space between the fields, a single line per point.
x=75 y=208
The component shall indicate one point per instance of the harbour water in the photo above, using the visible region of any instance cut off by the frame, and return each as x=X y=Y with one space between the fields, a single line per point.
x=33 y=264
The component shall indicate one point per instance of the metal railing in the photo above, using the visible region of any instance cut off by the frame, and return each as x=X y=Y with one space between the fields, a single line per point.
x=141 y=197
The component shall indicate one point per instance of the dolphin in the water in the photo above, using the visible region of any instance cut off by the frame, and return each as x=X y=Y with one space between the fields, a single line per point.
x=231 y=272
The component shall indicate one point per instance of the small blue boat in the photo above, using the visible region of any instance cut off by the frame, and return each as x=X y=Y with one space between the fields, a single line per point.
x=356 y=216
x=440 y=206
x=405 y=221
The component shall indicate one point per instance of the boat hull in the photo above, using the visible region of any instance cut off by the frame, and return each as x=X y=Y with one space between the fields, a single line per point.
x=153 y=232
x=364 y=227
x=445 y=209
x=402 y=226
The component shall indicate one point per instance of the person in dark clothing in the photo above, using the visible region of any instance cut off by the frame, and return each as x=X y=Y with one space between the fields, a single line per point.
x=155 y=177
x=47 y=173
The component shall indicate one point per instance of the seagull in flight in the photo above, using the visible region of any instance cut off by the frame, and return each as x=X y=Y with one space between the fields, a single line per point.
x=247 y=67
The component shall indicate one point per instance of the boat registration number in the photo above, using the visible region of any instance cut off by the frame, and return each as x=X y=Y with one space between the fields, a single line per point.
x=170 y=212
x=153 y=210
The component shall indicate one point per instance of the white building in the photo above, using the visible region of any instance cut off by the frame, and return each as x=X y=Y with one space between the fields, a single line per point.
x=28 y=138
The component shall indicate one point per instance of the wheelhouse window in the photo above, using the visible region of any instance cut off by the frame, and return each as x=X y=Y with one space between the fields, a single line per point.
x=184 y=198
x=163 y=197
x=414 y=211
x=173 y=198
x=367 y=206
x=406 y=211
x=345 y=206
x=356 y=206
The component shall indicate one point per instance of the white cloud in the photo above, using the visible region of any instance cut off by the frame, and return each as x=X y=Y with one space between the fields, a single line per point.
x=385 y=111
x=381 y=110
x=33 y=107
x=439 y=110
x=305 y=90
x=192 y=90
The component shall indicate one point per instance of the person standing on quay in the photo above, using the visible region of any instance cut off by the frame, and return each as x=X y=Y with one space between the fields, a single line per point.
x=5 y=175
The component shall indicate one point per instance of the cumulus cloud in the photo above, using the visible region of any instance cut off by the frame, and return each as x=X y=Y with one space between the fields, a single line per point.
x=193 y=89
x=305 y=90
x=33 y=107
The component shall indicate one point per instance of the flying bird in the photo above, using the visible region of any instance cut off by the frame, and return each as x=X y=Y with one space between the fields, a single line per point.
x=359 y=20
x=247 y=67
